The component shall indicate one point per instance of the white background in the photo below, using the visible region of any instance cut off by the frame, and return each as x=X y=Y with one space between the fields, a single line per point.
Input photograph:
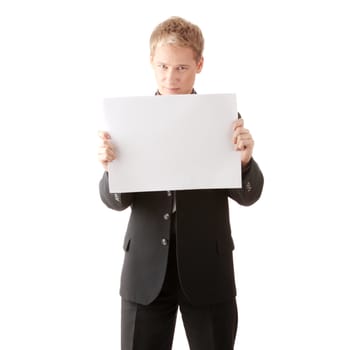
x=60 y=247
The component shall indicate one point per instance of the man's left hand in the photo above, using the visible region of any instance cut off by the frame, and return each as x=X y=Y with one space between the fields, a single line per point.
x=242 y=141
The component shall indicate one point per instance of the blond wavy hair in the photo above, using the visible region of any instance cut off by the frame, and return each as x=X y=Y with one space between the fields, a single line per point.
x=179 y=32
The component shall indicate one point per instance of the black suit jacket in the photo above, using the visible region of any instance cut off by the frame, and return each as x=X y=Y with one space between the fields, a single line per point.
x=203 y=235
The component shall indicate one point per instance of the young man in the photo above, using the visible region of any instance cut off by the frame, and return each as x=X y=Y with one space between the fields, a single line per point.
x=178 y=244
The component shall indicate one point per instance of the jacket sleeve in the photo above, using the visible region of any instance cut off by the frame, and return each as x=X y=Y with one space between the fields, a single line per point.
x=116 y=201
x=252 y=185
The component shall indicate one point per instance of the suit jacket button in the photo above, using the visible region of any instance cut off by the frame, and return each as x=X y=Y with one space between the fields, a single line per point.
x=166 y=216
x=164 y=242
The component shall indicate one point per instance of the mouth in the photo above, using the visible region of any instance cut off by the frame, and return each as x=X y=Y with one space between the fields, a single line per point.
x=171 y=90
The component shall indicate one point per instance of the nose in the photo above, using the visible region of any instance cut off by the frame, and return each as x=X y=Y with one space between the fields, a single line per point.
x=171 y=75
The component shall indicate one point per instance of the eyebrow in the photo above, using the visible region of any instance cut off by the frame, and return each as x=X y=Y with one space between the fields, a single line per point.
x=180 y=64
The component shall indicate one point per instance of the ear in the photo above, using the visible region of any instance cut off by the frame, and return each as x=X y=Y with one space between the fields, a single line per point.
x=200 y=64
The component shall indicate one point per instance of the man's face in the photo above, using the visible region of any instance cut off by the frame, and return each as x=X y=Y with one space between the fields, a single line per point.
x=175 y=69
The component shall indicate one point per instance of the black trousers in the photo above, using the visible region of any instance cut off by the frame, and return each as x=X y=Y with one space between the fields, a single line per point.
x=151 y=327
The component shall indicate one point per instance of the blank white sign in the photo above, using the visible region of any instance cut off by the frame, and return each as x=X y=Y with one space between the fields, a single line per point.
x=173 y=142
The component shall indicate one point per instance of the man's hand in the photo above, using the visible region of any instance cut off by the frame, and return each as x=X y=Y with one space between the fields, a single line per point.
x=106 y=150
x=242 y=141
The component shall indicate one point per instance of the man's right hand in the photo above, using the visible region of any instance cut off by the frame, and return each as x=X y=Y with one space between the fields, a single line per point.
x=106 y=149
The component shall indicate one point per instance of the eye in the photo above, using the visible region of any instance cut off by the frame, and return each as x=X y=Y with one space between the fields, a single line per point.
x=181 y=68
x=162 y=66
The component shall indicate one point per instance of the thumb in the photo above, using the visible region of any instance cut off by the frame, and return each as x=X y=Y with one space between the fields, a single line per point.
x=104 y=135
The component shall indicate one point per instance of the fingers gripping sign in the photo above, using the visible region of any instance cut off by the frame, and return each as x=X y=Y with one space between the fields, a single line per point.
x=242 y=141
x=106 y=150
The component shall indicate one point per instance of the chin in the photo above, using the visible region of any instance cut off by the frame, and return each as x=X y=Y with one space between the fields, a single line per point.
x=171 y=91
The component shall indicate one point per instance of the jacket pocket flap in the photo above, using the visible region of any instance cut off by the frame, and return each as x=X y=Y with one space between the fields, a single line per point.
x=126 y=245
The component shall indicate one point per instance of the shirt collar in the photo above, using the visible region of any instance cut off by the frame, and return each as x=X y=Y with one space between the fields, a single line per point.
x=159 y=94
